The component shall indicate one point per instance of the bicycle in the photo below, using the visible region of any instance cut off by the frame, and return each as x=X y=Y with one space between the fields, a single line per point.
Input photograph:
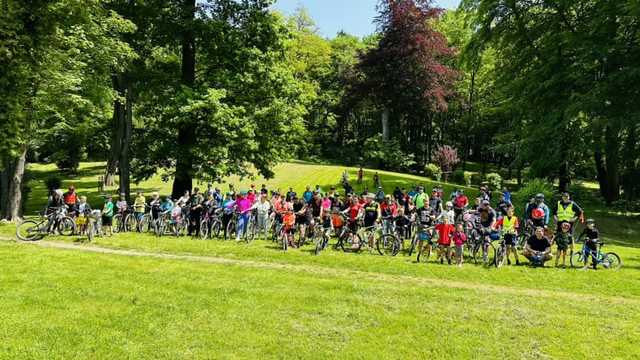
x=140 y=221
x=321 y=239
x=608 y=260
x=483 y=249
x=119 y=220
x=211 y=225
x=31 y=230
x=424 y=250
x=94 y=224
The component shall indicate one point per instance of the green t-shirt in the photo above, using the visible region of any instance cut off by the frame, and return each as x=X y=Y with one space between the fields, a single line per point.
x=107 y=210
x=420 y=199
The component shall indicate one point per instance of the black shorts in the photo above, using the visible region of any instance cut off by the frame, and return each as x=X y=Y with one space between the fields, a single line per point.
x=510 y=239
x=301 y=220
x=107 y=220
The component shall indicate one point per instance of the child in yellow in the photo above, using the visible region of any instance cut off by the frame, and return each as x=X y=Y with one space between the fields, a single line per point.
x=138 y=205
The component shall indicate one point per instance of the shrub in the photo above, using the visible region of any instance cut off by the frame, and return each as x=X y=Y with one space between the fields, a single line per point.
x=446 y=157
x=495 y=180
x=457 y=177
x=532 y=188
x=433 y=171
x=579 y=193
x=53 y=183
x=386 y=154
x=467 y=177
x=476 y=179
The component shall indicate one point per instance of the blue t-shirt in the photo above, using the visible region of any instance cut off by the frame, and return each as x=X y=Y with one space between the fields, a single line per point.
x=307 y=195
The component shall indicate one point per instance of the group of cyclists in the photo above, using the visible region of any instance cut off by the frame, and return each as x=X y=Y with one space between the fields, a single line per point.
x=412 y=220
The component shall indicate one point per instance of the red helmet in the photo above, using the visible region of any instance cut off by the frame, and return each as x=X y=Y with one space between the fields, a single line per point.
x=537 y=213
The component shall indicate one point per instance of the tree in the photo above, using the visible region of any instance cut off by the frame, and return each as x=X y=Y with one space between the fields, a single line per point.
x=405 y=74
x=58 y=54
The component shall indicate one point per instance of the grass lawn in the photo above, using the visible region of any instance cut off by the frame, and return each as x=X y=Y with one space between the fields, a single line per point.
x=188 y=298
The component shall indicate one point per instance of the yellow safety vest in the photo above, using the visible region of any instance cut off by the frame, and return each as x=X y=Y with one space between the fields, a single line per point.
x=509 y=225
x=565 y=214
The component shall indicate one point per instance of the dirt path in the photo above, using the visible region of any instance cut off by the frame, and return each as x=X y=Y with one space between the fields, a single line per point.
x=365 y=275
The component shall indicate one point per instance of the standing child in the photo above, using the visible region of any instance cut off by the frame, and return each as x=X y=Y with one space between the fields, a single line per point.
x=107 y=215
x=459 y=238
x=591 y=237
x=509 y=225
x=138 y=205
x=563 y=240
x=445 y=230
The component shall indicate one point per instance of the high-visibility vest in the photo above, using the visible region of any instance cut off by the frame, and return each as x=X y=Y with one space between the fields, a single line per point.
x=509 y=225
x=565 y=214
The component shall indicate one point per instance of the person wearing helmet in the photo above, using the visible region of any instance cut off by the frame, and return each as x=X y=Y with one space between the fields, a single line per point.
x=563 y=240
x=420 y=200
x=566 y=212
x=380 y=195
x=71 y=199
x=389 y=211
x=435 y=203
x=448 y=213
x=538 y=212
x=487 y=217
x=591 y=237
x=503 y=206
x=460 y=203
x=228 y=207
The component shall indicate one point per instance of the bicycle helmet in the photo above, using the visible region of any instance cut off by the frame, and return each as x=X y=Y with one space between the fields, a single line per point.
x=449 y=204
x=540 y=196
x=591 y=221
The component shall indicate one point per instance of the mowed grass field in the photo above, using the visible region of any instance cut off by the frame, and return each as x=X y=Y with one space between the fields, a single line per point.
x=141 y=297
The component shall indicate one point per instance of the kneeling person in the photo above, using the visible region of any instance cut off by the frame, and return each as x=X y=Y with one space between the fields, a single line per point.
x=538 y=248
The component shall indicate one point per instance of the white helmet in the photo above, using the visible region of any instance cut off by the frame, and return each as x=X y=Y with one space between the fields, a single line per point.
x=449 y=204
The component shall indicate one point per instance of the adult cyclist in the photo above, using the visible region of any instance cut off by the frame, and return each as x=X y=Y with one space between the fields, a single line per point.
x=566 y=211
x=538 y=212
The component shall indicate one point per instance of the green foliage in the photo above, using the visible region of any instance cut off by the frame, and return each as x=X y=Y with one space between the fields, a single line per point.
x=53 y=182
x=476 y=179
x=433 y=172
x=495 y=180
x=457 y=177
x=386 y=154
x=530 y=189
x=467 y=177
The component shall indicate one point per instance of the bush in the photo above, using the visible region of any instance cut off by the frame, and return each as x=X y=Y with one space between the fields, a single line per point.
x=433 y=172
x=579 y=193
x=532 y=188
x=385 y=154
x=457 y=177
x=53 y=183
x=626 y=205
x=476 y=179
x=495 y=180
x=467 y=177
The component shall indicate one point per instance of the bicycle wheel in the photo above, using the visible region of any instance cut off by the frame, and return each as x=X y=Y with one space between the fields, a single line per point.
x=611 y=261
x=231 y=230
x=501 y=256
x=67 y=226
x=117 y=224
x=351 y=243
x=28 y=231
x=216 y=228
x=131 y=223
x=90 y=231
x=204 y=229
x=145 y=224
x=250 y=230
x=414 y=243
x=424 y=251
x=284 y=241
x=388 y=245
x=577 y=259
x=320 y=241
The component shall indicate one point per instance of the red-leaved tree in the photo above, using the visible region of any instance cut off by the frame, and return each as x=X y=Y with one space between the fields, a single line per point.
x=446 y=157
x=406 y=73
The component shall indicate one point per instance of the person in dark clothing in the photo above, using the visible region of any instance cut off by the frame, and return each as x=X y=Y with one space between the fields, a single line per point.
x=538 y=247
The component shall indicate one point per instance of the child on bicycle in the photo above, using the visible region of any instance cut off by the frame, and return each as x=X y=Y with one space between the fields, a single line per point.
x=445 y=232
x=563 y=240
x=591 y=237
x=459 y=238
x=509 y=224
x=424 y=234
x=84 y=211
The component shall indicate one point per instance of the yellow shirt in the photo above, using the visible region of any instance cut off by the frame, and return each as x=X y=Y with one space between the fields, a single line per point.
x=138 y=204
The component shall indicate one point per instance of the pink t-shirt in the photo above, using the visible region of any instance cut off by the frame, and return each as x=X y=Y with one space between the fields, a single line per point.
x=244 y=205
x=326 y=204
x=459 y=238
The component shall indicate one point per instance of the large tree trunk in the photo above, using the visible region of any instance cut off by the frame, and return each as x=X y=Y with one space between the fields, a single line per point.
x=14 y=207
x=5 y=180
x=612 y=149
x=186 y=133
x=123 y=161
x=385 y=124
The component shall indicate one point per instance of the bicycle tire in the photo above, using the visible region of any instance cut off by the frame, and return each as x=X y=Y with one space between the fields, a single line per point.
x=231 y=230
x=130 y=223
x=501 y=256
x=90 y=231
x=67 y=226
x=204 y=229
x=30 y=231
x=319 y=241
x=414 y=243
x=388 y=245
x=117 y=224
x=611 y=261
x=216 y=227
x=577 y=259
x=284 y=241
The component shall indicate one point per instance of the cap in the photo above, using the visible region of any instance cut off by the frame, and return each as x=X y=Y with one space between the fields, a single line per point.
x=485 y=202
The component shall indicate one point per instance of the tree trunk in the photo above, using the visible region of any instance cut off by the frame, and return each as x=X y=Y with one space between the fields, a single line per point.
x=117 y=130
x=612 y=145
x=601 y=172
x=385 y=124
x=14 y=207
x=563 y=177
x=5 y=180
x=123 y=161
x=186 y=132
